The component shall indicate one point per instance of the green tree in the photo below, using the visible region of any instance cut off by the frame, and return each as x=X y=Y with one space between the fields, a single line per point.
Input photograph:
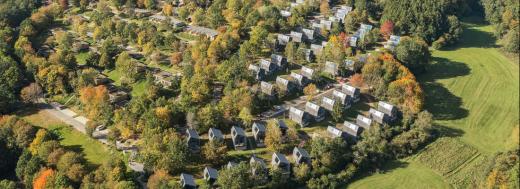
x=413 y=53
x=215 y=152
x=337 y=111
x=235 y=177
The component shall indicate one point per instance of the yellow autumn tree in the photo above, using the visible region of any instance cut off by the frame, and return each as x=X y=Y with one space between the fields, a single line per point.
x=95 y=101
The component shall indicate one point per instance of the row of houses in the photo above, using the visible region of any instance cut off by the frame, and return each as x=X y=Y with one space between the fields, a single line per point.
x=268 y=67
x=316 y=112
x=278 y=160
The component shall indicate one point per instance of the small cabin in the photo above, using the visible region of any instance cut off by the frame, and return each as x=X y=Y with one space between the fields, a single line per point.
x=326 y=24
x=331 y=68
x=316 y=49
x=210 y=174
x=283 y=39
x=215 y=135
x=281 y=125
x=256 y=72
x=308 y=34
x=231 y=164
x=307 y=72
x=296 y=36
x=335 y=132
x=239 y=138
x=363 y=121
x=299 y=116
x=193 y=140
x=388 y=109
x=268 y=66
x=316 y=111
x=343 y=98
x=259 y=134
x=284 y=84
x=352 y=129
x=278 y=160
x=257 y=165
x=351 y=91
x=279 y=61
x=301 y=155
x=187 y=181
x=267 y=89
x=299 y=80
x=328 y=103
x=377 y=116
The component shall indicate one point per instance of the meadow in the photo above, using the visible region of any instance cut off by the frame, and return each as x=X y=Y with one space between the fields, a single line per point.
x=472 y=91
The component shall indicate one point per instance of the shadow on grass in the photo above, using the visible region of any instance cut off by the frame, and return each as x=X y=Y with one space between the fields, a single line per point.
x=444 y=131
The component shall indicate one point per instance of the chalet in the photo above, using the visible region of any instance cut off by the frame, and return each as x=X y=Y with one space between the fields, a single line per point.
x=296 y=36
x=278 y=160
x=300 y=156
x=101 y=79
x=193 y=140
x=387 y=108
x=378 y=116
x=210 y=174
x=118 y=96
x=352 y=129
x=308 y=34
x=281 y=125
x=283 y=39
x=363 y=121
x=309 y=55
x=259 y=134
x=363 y=29
x=173 y=21
x=316 y=25
x=349 y=65
x=334 y=19
x=307 y=72
x=328 y=103
x=315 y=111
x=331 y=68
x=343 y=98
x=256 y=72
x=257 y=165
x=335 y=132
x=215 y=135
x=197 y=30
x=353 y=41
x=326 y=24
x=267 y=89
x=351 y=91
x=392 y=42
x=239 y=138
x=299 y=116
x=316 y=49
x=267 y=66
x=299 y=80
x=230 y=165
x=80 y=46
x=284 y=84
x=187 y=181
x=164 y=78
x=279 y=61
x=285 y=13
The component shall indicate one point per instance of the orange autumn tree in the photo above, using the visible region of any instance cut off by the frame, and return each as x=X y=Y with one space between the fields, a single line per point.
x=357 y=80
x=95 y=101
x=41 y=180
x=387 y=28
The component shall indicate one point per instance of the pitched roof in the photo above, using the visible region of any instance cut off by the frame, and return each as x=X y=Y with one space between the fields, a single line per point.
x=375 y=113
x=385 y=108
x=212 y=173
x=266 y=88
x=283 y=39
x=363 y=121
x=280 y=157
x=188 y=179
x=202 y=30
x=349 y=90
x=309 y=33
x=316 y=48
x=192 y=133
x=216 y=133
x=303 y=152
x=335 y=132
x=307 y=72
x=238 y=130
x=327 y=103
x=312 y=108
x=297 y=77
x=254 y=159
x=351 y=128
x=340 y=95
x=295 y=111
x=281 y=124
x=282 y=81
x=277 y=59
x=296 y=36
x=331 y=67
x=258 y=127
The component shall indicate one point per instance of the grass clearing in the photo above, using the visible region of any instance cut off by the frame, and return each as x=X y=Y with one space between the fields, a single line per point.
x=446 y=154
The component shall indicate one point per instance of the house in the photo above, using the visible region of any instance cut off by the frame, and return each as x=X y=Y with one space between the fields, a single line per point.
x=281 y=125
x=353 y=41
x=351 y=91
x=334 y=19
x=267 y=66
x=308 y=34
x=257 y=165
x=279 y=61
x=197 y=30
x=363 y=121
x=285 y=13
x=278 y=160
x=173 y=21
x=331 y=68
x=392 y=42
x=230 y=165
x=343 y=98
x=363 y=29
x=299 y=80
x=283 y=39
x=215 y=135
x=239 y=138
x=259 y=133
x=309 y=55
x=296 y=36
x=300 y=156
x=80 y=46
x=335 y=132
x=352 y=129
x=187 y=181
x=328 y=103
x=193 y=140
x=256 y=72
x=118 y=96
x=267 y=88
x=164 y=78
x=210 y=174
x=349 y=65
x=378 y=116
x=388 y=109
x=326 y=24
x=299 y=116
x=307 y=72
x=284 y=84
x=315 y=111
x=316 y=49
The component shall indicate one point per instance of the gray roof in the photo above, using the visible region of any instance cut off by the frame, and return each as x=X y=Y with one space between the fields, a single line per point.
x=327 y=24
x=277 y=59
x=188 y=179
x=280 y=157
x=266 y=65
x=254 y=159
x=331 y=68
x=386 y=108
x=350 y=90
x=307 y=72
x=215 y=133
x=351 y=128
x=266 y=88
x=363 y=121
x=238 y=130
x=302 y=151
x=377 y=115
x=282 y=82
x=296 y=36
x=202 y=31
x=297 y=112
x=340 y=96
x=281 y=124
x=328 y=103
x=297 y=77
x=316 y=48
x=335 y=132
x=309 y=33
x=212 y=173
x=312 y=108
x=258 y=127
x=283 y=39
x=192 y=133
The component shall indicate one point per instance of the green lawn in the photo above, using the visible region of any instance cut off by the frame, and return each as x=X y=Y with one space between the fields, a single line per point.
x=81 y=58
x=472 y=91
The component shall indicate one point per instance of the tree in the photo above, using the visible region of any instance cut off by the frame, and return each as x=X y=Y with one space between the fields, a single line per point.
x=7 y=184
x=302 y=173
x=234 y=177
x=329 y=155
x=208 y=116
x=160 y=179
x=41 y=180
x=357 y=80
x=337 y=111
x=278 y=178
x=169 y=152
x=31 y=93
x=413 y=53
x=387 y=28
x=10 y=79
x=310 y=91
x=96 y=102
x=511 y=41
x=277 y=141
x=324 y=7
x=215 y=152
x=246 y=116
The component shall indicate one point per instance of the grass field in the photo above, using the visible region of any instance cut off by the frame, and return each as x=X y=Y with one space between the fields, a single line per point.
x=472 y=91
